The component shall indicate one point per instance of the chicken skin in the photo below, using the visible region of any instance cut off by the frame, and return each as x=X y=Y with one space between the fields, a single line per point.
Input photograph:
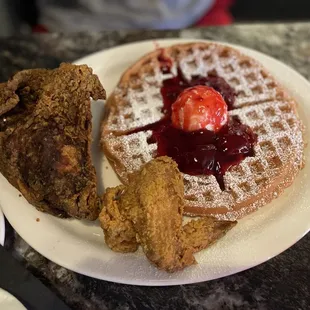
x=149 y=213
x=45 y=137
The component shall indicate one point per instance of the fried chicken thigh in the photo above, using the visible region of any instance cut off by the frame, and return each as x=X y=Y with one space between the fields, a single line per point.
x=45 y=137
x=149 y=213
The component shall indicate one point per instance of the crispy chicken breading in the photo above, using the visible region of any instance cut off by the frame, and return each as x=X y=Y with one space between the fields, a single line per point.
x=149 y=213
x=45 y=137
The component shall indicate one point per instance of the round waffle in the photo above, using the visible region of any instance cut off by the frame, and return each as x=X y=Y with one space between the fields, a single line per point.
x=260 y=103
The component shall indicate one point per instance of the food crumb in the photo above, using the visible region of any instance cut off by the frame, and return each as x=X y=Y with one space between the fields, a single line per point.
x=107 y=168
x=37 y=219
x=156 y=44
x=20 y=195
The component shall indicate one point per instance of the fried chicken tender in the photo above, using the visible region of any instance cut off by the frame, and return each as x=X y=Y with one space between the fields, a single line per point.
x=149 y=213
x=45 y=137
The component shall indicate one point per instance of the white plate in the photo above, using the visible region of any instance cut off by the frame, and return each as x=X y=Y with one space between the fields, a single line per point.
x=2 y=228
x=9 y=302
x=79 y=245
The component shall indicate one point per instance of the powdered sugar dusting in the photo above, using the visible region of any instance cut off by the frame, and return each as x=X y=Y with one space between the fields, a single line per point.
x=132 y=150
x=142 y=104
x=279 y=147
x=260 y=104
x=247 y=78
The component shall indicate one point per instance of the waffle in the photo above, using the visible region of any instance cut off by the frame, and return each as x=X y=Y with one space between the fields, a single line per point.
x=261 y=104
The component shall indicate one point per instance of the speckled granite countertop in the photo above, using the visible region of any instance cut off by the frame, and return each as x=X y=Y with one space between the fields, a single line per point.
x=281 y=283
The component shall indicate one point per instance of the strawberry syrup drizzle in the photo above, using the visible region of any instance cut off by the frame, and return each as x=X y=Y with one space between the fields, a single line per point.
x=200 y=152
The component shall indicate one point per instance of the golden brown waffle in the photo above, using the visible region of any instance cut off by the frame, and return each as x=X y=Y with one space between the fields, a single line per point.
x=260 y=104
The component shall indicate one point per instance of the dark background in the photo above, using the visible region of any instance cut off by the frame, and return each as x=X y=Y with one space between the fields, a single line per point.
x=271 y=10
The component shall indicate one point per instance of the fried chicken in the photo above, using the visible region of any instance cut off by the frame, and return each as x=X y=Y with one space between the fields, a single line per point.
x=149 y=213
x=45 y=137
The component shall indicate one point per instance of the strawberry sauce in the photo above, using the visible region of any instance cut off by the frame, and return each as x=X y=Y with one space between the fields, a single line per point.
x=202 y=151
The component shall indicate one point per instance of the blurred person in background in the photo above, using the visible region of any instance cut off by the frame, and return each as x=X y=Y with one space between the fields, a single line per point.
x=94 y=15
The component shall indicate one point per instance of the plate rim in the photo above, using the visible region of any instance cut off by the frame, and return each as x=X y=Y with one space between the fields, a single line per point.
x=17 y=303
x=175 y=282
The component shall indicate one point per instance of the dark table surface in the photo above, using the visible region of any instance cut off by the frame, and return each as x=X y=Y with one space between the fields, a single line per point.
x=281 y=283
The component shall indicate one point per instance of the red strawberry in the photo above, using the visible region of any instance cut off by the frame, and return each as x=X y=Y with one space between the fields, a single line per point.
x=199 y=107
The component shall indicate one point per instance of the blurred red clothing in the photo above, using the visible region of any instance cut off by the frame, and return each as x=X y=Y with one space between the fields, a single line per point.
x=39 y=29
x=219 y=14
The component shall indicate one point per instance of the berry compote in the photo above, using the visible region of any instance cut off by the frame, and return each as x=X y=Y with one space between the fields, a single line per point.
x=202 y=151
